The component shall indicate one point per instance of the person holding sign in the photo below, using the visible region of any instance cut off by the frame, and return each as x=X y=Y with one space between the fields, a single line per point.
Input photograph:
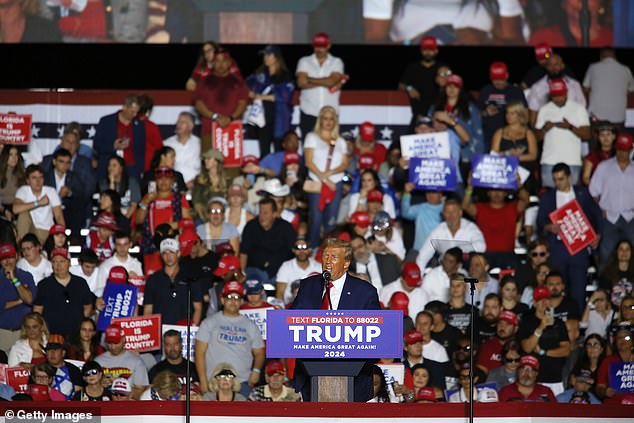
x=572 y=266
x=607 y=378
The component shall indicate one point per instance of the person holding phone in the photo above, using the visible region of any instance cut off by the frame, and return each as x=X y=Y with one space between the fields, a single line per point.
x=545 y=335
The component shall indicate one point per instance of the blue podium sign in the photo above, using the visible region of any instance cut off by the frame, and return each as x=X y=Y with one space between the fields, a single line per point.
x=352 y=334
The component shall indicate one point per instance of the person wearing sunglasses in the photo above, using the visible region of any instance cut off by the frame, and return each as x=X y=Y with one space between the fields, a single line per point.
x=216 y=230
x=299 y=267
x=224 y=384
x=525 y=274
x=229 y=337
x=507 y=372
x=94 y=390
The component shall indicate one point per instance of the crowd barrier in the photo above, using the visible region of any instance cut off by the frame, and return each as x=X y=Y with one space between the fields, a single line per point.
x=241 y=412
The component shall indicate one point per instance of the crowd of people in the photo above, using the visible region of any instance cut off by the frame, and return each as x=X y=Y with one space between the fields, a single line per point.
x=547 y=327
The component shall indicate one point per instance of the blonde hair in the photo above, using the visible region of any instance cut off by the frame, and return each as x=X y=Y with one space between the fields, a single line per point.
x=337 y=243
x=38 y=318
x=213 y=383
x=521 y=110
x=335 y=130
x=166 y=384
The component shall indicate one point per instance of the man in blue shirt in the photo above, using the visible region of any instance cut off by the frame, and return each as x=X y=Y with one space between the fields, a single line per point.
x=17 y=291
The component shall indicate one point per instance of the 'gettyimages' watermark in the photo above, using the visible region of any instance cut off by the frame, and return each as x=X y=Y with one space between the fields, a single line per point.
x=51 y=415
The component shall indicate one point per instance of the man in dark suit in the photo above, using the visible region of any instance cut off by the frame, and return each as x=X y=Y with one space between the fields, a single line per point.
x=573 y=267
x=122 y=132
x=82 y=177
x=345 y=292
x=69 y=188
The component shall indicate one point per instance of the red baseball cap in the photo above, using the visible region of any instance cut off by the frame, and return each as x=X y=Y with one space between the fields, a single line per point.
x=250 y=158
x=57 y=229
x=454 y=79
x=509 y=317
x=321 y=39
x=399 y=301
x=224 y=248
x=413 y=337
x=366 y=161
x=7 y=250
x=118 y=274
x=60 y=252
x=164 y=171
x=233 y=287
x=186 y=223
x=227 y=264
x=557 y=87
x=367 y=131
x=291 y=157
x=106 y=220
x=187 y=238
x=114 y=334
x=543 y=51
x=540 y=293
x=412 y=274
x=624 y=142
x=529 y=360
x=498 y=71
x=426 y=394
x=361 y=219
x=428 y=43
x=274 y=367
x=375 y=195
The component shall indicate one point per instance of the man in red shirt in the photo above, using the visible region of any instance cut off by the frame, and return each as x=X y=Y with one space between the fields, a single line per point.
x=497 y=220
x=221 y=97
x=491 y=350
x=526 y=388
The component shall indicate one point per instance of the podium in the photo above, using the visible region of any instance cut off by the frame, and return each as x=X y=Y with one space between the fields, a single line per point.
x=334 y=346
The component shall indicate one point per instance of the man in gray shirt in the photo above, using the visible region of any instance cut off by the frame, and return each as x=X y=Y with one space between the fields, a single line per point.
x=117 y=362
x=607 y=83
x=230 y=337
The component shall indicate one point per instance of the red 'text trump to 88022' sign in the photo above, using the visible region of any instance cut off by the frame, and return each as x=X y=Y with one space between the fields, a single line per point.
x=334 y=333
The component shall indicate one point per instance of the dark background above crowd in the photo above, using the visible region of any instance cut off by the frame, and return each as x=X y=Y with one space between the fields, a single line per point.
x=167 y=67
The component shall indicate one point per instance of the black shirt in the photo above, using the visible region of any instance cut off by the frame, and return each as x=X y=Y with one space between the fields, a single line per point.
x=448 y=338
x=460 y=317
x=424 y=80
x=40 y=30
x=550 y=368
x=169 y=297
x=63 y=306
x=500 y=98
x=267 y=250
x=568 y=309
x=483 y=329
x=179 y=370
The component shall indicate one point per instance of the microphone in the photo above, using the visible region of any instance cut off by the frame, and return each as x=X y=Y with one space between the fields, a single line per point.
x=326 y=275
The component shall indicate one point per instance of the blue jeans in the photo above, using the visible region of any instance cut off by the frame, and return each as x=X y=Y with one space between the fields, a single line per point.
x=547 y=175
x=612 y=234
x=325 y=218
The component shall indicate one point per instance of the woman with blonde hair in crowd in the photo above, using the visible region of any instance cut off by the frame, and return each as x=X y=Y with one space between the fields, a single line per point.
x=236 y=214
x=211 y=182
x=165 y=386
x=29 y=349
x=516 y=138
x=326 y=157
x=224 y=384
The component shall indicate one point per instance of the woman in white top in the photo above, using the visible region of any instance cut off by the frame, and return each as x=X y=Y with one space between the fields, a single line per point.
x=29 y=349
x=326 y=157
x=236 y=214
x=369 y=181
x=598 y=314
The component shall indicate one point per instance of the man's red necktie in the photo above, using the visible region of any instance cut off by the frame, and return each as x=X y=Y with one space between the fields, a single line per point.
x=325 y=305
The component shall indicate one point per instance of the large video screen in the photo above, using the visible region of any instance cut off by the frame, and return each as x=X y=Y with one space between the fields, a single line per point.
x=595 y=23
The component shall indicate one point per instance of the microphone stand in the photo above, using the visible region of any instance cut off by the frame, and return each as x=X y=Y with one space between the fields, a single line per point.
x=327 y=277
x=472 y=287
x=188 y=283
x=584 y=23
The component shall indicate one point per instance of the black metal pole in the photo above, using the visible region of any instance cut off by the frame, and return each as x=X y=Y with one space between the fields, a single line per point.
x=472 y=286
x=188 y=371
x=584 y=23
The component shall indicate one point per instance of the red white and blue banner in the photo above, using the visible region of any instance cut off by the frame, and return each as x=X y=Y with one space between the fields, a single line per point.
x=334 y=334
x=621 y=377
x=433 y=174
x=494 y=171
